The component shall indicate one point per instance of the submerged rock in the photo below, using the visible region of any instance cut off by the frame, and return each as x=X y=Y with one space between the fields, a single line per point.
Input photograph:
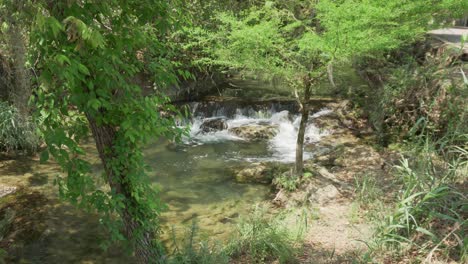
x=213 y=125
x=255 y=131
x=259 y=173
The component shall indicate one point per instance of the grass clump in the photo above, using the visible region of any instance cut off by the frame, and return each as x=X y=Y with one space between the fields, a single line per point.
x=370 y=197
x=289 y=182
x=261 y=239
x=429 y=219
x=17 y=133
x=193 y=250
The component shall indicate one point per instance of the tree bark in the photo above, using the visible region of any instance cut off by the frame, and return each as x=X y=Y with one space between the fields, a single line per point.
x=299 y=166
x=145 y=250
x=20 y=93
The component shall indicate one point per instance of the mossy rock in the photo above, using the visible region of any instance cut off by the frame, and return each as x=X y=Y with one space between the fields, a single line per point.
x=259 y=172
x=255 y=132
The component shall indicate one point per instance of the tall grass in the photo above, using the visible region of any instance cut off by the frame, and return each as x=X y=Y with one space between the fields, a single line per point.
x=193 y=250
x=261 y=238
x=430 y=218
x=16 y=132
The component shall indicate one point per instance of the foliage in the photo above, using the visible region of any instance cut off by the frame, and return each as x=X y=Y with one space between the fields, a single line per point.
x=192 y=250
x=369 y=195
x=16 y=132
x=91 y=58
x=420 y=99
x=430 y=215
x=262 y=238
x=284 y=180
x=294 y=38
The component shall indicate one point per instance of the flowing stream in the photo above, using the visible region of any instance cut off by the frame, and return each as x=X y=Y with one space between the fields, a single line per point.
x=195 y=179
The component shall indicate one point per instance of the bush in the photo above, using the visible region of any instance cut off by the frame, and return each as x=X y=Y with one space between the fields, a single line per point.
x=16 y=132
x=261 y=239
x=429 y=220
x=414 y=94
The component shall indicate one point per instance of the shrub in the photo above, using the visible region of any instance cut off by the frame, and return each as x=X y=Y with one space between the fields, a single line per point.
x=415 y=94
x=262 y=238
x=16 y=132
x=287 y=181
x=429 y=221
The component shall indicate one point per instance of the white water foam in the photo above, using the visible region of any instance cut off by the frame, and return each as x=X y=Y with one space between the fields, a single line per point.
x=282 y=146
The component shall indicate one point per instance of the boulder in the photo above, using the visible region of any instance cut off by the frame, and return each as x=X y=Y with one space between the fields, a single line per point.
x=213 y=124
x=328 y=122
x=362 y=156
x=324 y=195
x=257 y=172
x=255 y=131
x=6 y=190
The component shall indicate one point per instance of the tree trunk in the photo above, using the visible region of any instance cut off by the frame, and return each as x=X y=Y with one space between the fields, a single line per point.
x=145 y=251
x=20 y=93
x=301 y=132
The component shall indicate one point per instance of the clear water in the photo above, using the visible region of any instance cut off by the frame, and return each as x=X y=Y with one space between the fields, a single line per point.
x=195 y=179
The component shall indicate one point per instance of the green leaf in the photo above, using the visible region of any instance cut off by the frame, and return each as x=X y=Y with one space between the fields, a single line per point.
x=83 y=69
x=44 y=156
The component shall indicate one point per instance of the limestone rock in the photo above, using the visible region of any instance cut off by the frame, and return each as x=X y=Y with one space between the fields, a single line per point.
x=6 y=190
x=255 y=173
x=324 y=195
x=213 y=125
x=255 y=131
x=362 y=156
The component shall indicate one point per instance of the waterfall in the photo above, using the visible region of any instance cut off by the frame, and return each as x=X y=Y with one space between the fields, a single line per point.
x=282 y=147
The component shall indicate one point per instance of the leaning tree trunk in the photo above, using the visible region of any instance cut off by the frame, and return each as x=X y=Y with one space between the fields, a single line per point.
x=299 y=166
x=145 y=251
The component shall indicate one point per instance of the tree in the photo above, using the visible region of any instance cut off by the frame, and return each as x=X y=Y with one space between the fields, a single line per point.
x=91 y=56
x=299 y=41
x=15 y=21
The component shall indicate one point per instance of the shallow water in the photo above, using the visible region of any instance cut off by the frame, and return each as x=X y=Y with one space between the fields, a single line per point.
x=195 y=179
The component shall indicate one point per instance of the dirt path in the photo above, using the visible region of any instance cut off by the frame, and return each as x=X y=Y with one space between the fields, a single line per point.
x=338 y=234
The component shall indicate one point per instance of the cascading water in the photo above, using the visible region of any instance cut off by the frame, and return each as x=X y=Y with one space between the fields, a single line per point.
x=281 y=147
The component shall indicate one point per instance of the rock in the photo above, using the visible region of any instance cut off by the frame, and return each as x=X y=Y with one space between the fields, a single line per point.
x=328 y=122
x=229 y=219
x=359 y=156
x=338 y=139
x=324 y=195
x=213 y=124
x=255 y=173
x=281 y=198
x=6 y=190
x=255 y=131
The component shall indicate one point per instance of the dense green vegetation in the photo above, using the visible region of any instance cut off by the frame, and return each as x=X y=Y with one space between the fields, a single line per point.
x=105 y=69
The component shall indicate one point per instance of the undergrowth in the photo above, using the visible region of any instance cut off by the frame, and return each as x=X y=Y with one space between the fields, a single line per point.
x=420 y=104
x=259 y=238
x=429 y=219
x=16 y=131
x=192 y=250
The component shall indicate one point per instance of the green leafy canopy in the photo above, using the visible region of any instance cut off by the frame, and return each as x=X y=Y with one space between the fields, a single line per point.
x=91 y=55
